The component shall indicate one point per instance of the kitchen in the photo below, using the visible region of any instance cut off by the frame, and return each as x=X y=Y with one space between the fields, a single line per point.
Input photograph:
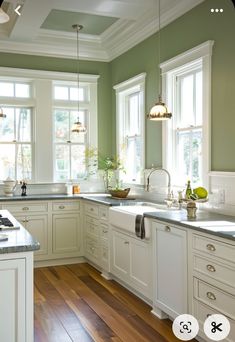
x=38 y=56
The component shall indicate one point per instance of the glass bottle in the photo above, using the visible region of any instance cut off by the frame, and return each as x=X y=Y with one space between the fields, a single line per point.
x=188 y=192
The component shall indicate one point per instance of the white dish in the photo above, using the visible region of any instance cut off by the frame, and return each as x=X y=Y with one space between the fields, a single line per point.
x=3 y=237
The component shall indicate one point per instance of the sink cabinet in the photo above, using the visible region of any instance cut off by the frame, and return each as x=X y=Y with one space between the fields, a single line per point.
x=131 y=262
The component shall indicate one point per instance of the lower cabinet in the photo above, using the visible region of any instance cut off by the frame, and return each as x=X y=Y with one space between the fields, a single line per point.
x=170 y=270
x=16 y=306
x=131 y=262
x=66 y=235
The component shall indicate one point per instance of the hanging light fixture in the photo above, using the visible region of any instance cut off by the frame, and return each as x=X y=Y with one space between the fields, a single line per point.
x=2 y=115
x=78 y=127
x=159 y=111
x=4 y=17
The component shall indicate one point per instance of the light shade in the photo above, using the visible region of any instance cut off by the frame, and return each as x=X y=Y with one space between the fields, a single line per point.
x=2 y=115
x=4 y=18
x=78 y=127
x=159 y=111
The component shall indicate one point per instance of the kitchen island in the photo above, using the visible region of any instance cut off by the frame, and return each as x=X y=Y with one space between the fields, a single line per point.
x=16 y=282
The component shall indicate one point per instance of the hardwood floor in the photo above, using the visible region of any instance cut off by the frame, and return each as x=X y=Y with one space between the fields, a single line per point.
x=74 y=303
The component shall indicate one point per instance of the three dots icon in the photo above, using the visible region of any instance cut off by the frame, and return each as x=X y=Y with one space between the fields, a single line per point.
x=217 y=10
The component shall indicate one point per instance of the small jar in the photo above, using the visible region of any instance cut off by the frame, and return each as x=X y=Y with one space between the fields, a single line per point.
x=76 y=189
x=191 y=210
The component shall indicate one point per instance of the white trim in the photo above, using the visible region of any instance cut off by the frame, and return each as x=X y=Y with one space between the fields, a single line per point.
x=226 y=174
x=200 y=54
x=131 y=82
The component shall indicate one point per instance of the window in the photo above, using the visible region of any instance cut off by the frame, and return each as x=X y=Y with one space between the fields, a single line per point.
x=130 y=127
x=16 y=138
x=35 y=138
x=186 y=150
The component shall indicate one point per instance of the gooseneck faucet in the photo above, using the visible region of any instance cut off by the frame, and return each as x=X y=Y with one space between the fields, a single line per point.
x=169 y=180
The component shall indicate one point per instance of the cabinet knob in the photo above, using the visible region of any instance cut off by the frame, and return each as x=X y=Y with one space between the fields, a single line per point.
x=61 y=206
x=167 y=228
x=210 y=268
x=211 y=295
x=105 y=231
x=210 y=247
x=126 y=242
x=25 y=208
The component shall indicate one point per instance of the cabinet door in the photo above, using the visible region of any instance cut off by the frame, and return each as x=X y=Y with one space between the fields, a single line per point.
x=37 y=225
x=141 y=266
x=12 y=300
x=120 y=264
x=170 y=269
x=66 y=235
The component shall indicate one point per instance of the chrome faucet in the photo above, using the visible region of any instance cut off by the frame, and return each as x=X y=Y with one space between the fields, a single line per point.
x=169 y=180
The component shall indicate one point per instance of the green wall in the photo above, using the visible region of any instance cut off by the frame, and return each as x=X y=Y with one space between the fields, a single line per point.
x=68 y=65
x=193 y=28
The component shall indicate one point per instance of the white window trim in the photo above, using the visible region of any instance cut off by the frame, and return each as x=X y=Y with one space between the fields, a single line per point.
x=137 y=81
x=201 y=53
x=43 y=123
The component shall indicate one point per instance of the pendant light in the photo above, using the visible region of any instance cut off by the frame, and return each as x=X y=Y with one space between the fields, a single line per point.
x=2 y=115
x=78 y=127
x=159 y=111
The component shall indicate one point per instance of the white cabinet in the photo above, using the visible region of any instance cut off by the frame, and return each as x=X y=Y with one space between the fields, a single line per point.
x=170 y=270
x=131 y=262
x=16 y=305
x=66 y=234
x=37 y=225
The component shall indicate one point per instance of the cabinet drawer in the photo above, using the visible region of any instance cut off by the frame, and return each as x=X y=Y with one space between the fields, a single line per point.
x=26 y=207
x=104 y=253
x=214 y=247
x=91 y=226
x=104 y=230
x=202 y=311
x=223 y=273
x=66 y=206
x=104 y=213
x=92 y=209
x=91 y=247
x=214 y=297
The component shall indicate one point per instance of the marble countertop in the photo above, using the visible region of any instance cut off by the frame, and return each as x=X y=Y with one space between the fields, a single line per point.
x=206 y=222
x=19 y=240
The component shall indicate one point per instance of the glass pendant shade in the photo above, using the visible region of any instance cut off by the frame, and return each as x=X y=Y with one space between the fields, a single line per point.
x=2 y=115
x=159 y=111
x=78 y=127
x=4 y=18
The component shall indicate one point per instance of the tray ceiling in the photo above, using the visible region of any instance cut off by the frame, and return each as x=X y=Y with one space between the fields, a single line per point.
x=111 y=27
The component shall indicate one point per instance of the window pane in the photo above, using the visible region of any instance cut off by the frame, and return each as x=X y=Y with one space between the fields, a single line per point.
x=7 y=126
x=6 y=89
x=133 y=124
x=76 y=137
x=7 y=161
x=62 y=162
x=133 y=159
x=62 y=133
x=186 y=109
x=22 y=90
x=75 y=94
x=61 y=93
x=77 y=161
x=23 y=124
x=184 y=157
x=199 y=98
x=24 y=161
x=196 y=157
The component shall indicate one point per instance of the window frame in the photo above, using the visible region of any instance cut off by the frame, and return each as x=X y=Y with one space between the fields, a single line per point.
x=199 y=56
x=123 y=91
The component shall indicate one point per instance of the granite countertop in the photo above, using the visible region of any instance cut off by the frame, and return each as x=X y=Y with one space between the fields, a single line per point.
x=206 y=222
x=19 y=240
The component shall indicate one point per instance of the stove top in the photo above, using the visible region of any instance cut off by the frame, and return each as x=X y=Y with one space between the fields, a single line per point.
x=7 y=224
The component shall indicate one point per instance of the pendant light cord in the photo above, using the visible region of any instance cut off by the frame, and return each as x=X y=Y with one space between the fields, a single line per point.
x=77 y=28
x=159 y=48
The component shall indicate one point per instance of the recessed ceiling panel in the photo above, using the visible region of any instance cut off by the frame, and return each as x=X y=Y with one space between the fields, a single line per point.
x=63 y=20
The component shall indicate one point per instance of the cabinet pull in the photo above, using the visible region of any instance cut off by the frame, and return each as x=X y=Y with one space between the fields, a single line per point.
x=211 y=295
x=61 y=206
x=167 y=229
x=25 y=208
x=210 y=268
x=126 y=242
x=210 y=247
x=105 y=231
x=25 y=221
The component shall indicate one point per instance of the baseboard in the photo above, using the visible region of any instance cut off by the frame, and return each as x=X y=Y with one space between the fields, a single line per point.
x=58 y=262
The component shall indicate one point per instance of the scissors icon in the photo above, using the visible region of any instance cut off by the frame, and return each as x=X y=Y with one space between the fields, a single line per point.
x=216 y=327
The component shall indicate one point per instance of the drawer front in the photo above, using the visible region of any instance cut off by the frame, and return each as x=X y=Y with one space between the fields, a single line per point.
x=104 y=231
x=104 y=254
x=214 y=247
x=214 y=297
x=66 y=206
x=92 y=210
x=104 y=213
x=215 y=270
x=92 y=247
x=92 y=226
x=26 y=207
x=201 y=312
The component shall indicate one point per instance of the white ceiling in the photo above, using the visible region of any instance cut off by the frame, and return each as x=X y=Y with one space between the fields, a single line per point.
x=138 y=19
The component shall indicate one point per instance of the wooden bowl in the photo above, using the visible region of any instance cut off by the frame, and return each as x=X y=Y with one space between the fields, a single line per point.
x=119 y=193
